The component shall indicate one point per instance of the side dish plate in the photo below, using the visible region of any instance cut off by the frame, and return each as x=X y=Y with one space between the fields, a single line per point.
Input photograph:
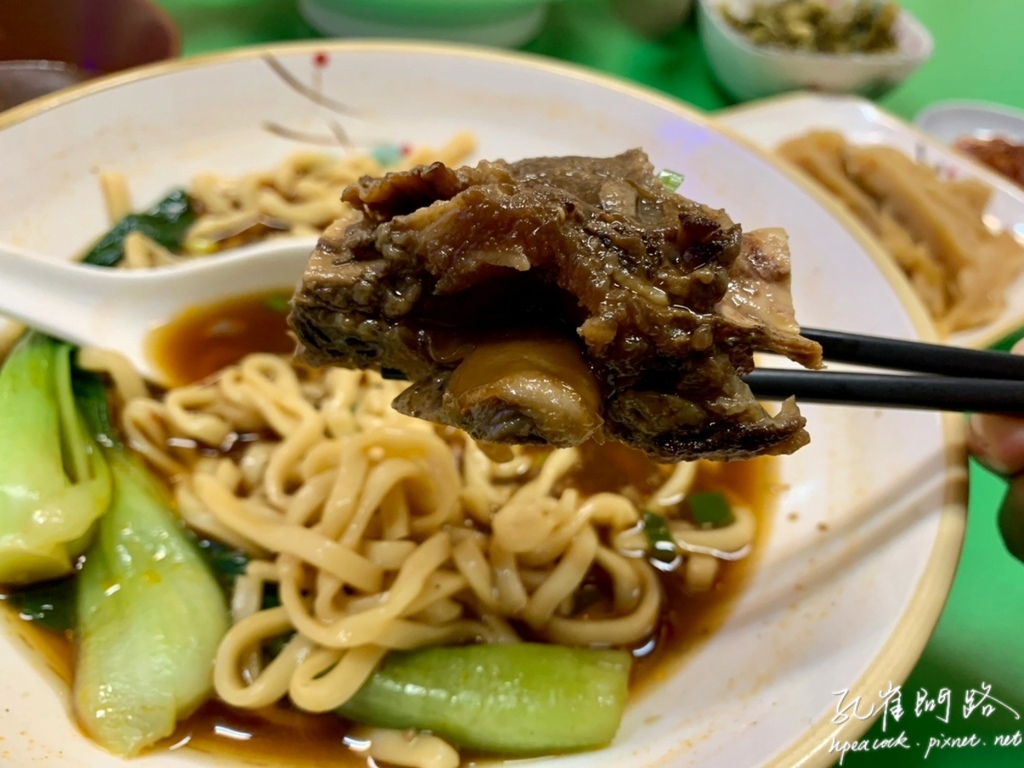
x=770 y=122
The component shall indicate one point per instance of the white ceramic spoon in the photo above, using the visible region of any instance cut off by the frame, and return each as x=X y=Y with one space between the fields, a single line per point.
x=116 y=309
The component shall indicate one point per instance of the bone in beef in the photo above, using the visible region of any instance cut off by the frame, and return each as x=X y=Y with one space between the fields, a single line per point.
x=556 y=300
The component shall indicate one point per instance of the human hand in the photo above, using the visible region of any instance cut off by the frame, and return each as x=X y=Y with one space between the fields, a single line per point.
x=998 y=443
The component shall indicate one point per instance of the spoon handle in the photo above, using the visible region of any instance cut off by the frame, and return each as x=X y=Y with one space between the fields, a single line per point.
x=117 y=309
x=54 y=296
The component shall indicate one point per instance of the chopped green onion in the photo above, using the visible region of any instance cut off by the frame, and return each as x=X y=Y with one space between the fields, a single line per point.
x=278 y=302
x=710 y=509
x=671 y=179
x=663 y=546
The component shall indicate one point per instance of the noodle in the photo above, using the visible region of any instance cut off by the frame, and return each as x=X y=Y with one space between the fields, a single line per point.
x=116 y=198
x=417 y=750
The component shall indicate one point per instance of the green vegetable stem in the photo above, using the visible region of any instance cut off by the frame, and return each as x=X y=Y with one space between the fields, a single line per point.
x=514 y=699
x=54 y=483
x=663 y=547
x=150 y=611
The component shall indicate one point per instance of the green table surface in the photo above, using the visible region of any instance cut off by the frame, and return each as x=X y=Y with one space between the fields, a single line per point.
x=979 y=54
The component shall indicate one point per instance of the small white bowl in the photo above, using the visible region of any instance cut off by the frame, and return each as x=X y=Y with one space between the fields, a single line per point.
x=951 y=120
x=749 y=71
x=505 y=23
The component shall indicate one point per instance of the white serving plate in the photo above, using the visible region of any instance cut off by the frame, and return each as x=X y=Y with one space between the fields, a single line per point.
x=869 y=517
x=770 y=122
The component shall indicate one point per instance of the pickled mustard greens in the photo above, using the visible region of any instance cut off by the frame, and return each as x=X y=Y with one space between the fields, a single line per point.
x=864 y=26
x=54 y=483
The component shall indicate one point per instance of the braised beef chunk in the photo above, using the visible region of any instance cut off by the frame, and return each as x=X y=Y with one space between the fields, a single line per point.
x=556 y=300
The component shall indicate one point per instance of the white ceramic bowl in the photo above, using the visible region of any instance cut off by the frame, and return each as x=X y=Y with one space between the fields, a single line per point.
x=749 y=71
x=856 y=564
x=948 y=121
x=505 y=23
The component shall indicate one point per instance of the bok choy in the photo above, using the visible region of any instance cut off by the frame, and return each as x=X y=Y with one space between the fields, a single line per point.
x=165 y=223
x=521 y=699
x=54 y=482
x=150 y=611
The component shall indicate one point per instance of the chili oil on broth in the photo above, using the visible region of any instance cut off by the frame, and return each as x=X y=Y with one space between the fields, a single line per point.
x=281 y=735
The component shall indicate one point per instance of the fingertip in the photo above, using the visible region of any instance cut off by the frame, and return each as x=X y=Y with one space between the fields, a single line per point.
x=997 y=442
x=1011 y=519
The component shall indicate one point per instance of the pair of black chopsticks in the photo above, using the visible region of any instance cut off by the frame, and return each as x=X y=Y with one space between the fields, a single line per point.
x=959 y=380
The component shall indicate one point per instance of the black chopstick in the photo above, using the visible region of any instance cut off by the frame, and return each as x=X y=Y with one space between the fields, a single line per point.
x=916 y=356
x=935 y=393
x=964 y=380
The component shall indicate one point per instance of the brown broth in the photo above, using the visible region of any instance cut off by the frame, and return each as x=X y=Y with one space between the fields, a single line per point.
x=615 y=468
x=52 y=649
x=202 y=340
x=274 y=736
x=280 y=736
x=688 y=619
